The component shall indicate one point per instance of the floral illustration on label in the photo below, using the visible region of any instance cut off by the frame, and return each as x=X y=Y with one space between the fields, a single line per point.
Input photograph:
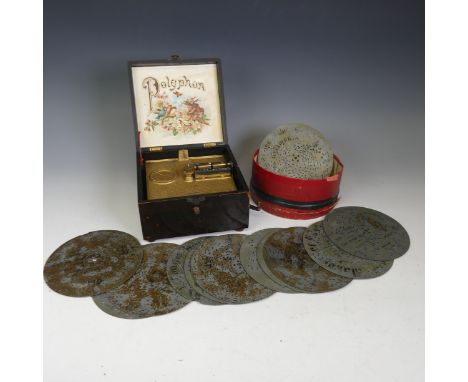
x=172 y=110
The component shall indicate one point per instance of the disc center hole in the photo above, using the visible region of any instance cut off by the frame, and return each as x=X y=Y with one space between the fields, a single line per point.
x=92 y=258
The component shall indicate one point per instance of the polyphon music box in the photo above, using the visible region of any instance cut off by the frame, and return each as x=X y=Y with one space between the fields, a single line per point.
x=188 y=179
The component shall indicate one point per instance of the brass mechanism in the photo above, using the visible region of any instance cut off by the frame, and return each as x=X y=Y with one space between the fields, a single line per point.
x=185 y=176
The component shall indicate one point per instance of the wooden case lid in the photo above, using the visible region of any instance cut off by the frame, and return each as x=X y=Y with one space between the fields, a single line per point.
x=178 y=103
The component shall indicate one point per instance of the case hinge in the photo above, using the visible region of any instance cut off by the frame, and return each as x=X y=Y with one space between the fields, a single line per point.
x=209 y=144
x=156 y=148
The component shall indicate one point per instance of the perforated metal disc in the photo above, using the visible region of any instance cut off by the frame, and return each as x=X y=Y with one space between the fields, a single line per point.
x=176 y=275
x=330 y=257
x=217 y=269
x=282 y=286
x=296 y=151
x=92 y=263
x=366 y=233
x=287 y=259
x=199 y=294
x=250 y=260
x=148 y=292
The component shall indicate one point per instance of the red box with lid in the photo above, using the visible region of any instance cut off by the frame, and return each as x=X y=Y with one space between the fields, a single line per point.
x=295 y=198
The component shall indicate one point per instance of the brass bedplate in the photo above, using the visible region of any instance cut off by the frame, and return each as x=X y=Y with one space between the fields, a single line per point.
x=185 y=176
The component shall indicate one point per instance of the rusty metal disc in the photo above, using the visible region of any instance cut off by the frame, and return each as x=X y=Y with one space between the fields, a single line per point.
x=93 y=263
x=287 y=259
x=148 y=292
x=250 y=260
x=366 y=233
x=282 y=286
x=176 y=275
x=198 y=293
x=216 y=268
x=330 y=257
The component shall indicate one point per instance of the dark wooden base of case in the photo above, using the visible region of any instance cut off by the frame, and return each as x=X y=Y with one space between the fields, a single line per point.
x=192 y=215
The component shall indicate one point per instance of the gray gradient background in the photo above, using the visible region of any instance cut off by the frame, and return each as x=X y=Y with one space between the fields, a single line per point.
x=353 y=69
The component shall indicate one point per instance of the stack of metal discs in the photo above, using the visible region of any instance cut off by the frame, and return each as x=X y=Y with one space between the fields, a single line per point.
x=127 y=280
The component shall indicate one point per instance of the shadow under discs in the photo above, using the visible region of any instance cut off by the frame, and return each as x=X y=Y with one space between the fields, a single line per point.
x=93 y=263
x=148 y=292
x=330 y=257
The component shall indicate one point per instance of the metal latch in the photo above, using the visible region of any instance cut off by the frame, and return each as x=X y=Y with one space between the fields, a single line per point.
x=209 y=144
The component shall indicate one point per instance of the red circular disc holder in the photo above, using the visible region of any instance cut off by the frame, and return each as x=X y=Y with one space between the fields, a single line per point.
x=294 y=198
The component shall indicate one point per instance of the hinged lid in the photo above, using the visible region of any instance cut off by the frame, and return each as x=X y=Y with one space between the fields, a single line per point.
x=178 y=103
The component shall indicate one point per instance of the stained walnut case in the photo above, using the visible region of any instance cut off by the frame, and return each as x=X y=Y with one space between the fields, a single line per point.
x=188 y=179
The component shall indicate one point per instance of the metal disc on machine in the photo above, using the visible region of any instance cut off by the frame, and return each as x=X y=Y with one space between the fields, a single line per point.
x=366 y=233
x=216 y=268
x=330 y=257
x=250 y=262
x=93 y=263
x=287 y=259
x=198 y=293
x=148 y=292
x=296 y=151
